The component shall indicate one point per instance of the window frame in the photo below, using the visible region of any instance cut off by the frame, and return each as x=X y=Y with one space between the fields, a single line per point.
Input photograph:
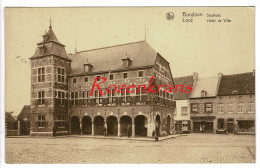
x=62 y=75
x=41 y=121
x=41 y=71
x=41 y=98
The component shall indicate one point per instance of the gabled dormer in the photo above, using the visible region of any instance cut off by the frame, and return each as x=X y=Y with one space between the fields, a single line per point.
x=203 y=93
x=126 y=62
x=87 y=66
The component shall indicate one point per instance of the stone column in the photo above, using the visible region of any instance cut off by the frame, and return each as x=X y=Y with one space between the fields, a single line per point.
x=80 y=125
x=133 y=128
x=119 y=130
x=105 y=125
x=92 y=128
x=19 y=128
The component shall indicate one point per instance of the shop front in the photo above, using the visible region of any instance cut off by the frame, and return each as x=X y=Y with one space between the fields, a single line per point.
x=246 y=126
x=203 y=124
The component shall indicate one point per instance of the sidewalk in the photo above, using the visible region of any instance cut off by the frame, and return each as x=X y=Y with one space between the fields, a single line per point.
x=104 y=137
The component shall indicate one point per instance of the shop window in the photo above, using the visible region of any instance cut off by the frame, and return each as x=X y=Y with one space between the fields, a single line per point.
x=246 y=126
x=221 y=123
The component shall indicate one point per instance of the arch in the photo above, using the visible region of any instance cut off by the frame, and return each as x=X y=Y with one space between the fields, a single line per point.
x=158 y=125
x=140 y=129
x=126 y=125
x=75 y=125
x=86 y=125
x=168 y=124
x=112 y=126
x=99 y=125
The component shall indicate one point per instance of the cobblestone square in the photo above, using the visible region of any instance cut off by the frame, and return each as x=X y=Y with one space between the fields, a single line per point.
x=194 y=148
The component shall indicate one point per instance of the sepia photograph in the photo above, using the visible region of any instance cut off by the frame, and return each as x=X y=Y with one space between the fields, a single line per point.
x=130 y=85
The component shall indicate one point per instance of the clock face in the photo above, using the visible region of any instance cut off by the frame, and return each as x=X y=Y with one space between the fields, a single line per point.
x=201 y=108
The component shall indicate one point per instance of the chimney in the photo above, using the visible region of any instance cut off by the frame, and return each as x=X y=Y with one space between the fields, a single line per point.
x=220 y=75
x=195 y=76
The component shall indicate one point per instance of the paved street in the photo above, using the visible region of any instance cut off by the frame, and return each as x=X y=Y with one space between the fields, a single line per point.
x=194 y=148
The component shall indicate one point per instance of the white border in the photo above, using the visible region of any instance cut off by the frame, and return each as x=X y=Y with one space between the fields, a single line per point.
x=77 y=3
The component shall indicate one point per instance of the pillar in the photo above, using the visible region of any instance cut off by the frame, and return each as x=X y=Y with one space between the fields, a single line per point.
x=119 y=130
x=80 y=125
x=92 y=132
x=151 y=127
x=19 y=128
x=133 y=127
x=105 y=125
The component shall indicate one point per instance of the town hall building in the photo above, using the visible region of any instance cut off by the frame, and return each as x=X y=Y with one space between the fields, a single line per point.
x=61 y=84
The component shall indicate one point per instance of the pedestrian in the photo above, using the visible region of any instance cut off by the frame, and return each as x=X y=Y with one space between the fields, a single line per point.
x=128 y=131
x=105 y=131
x=54 y=129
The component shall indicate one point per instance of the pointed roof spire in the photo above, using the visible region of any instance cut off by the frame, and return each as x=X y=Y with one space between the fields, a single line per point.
x=50 y=23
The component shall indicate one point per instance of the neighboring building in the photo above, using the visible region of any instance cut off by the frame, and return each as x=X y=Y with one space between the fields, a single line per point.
x=57 y=79
x=236 y=103
x=203 y=105
x=24 y=120
x=182 y=112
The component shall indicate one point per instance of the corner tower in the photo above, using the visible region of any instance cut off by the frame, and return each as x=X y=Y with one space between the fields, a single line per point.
x=50 y=67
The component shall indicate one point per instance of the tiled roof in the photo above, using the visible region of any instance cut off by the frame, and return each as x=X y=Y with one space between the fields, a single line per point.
x=110 y=58
x=25 y=113
x=51 y=46
x=243 y=83
x=185 y=81
x=210 y=85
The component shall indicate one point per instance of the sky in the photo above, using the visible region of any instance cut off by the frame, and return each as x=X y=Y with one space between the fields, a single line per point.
x=198 y=46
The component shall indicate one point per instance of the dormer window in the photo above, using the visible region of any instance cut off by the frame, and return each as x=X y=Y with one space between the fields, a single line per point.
x=43 y=49
x=234 y=92
x=203 y=93
x=126 y=62
x=88 y=67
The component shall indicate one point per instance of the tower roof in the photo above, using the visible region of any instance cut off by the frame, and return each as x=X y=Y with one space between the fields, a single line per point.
x=50 y=46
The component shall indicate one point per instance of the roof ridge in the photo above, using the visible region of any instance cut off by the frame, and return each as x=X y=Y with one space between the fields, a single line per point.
x=110 y=46
x=239 y=74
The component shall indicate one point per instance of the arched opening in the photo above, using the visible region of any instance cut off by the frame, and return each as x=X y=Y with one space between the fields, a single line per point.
x=112 y=126
x=140 y=129
x=86 y=125
x=126 y=126
x=99 y=125
x=75 y=125
x=158 y=125
x=168 y=125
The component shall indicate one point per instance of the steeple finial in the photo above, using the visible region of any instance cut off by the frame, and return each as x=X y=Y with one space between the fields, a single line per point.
x=50 y=23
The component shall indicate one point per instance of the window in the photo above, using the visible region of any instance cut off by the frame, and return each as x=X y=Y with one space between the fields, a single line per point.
x=75 y=80
x=184 y=110
x=194 y=108
x=111 y=97
x=221 y=124
x=111 y=76
x=74 y=98
x=61 y=74
x=208 y=107
x=98 y=97
x=240 y=108
x=86 y=99
x=61 y=121
x=140 y=95
x=251 y=107
x=230 y=108
x=41 y=121
x=86 y=79
x=61 y=98
x=41 y=97
x=125 y=96
x=98 y=78
x=41 y=74
x=141 y=73
x=220 y=108
x=125 y=75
